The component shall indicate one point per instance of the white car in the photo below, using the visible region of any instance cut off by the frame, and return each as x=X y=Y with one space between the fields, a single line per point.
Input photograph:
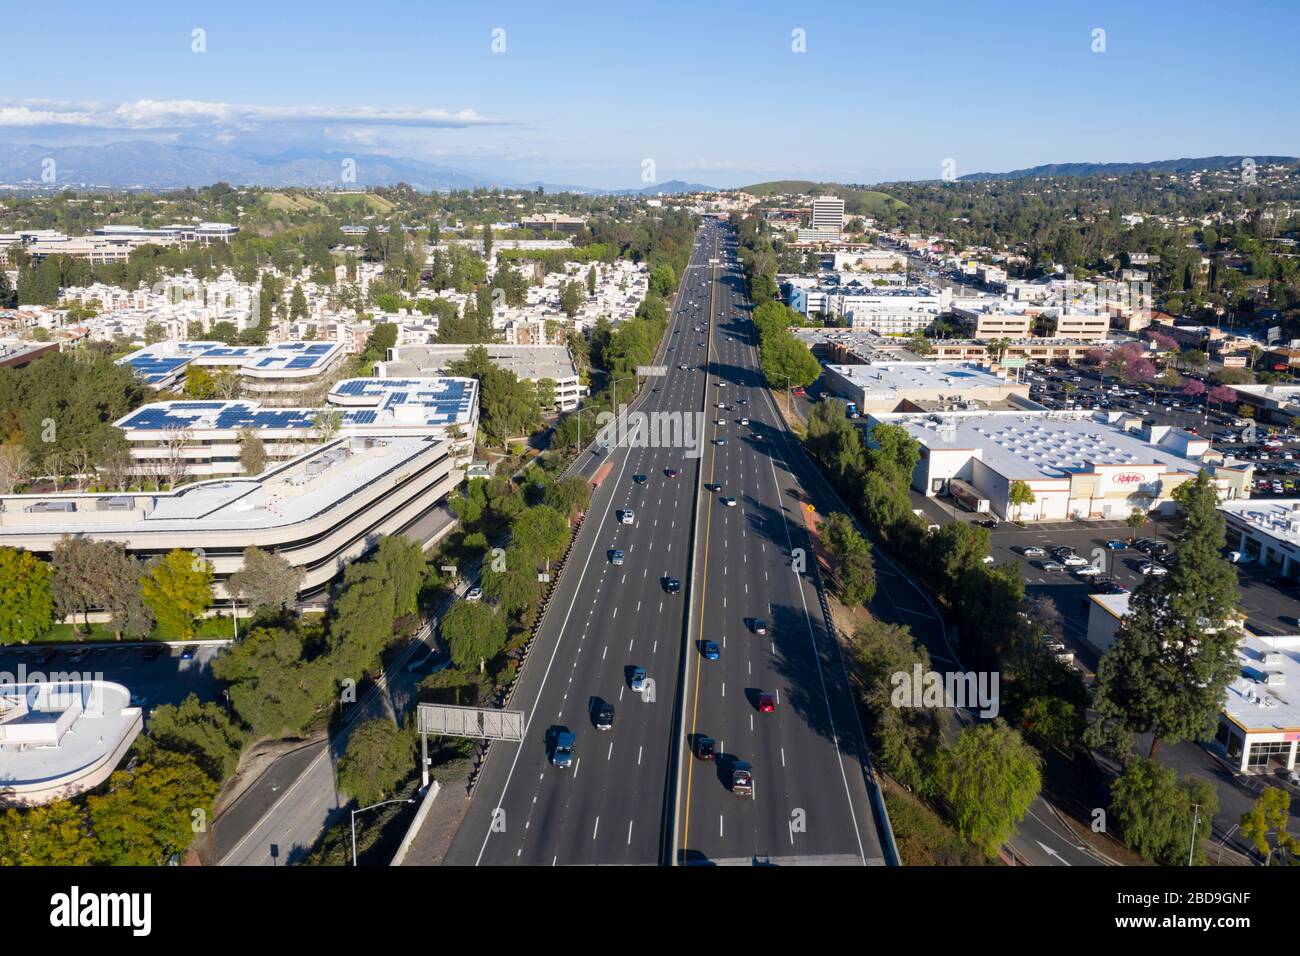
x=1088 y=571
x=988 y=559
x=1157 y=570
x=1074 y=561
x=474 y=594
x=729 y=502
x=719 y=441
x=627 y=516
x=1239 y=557
x=744 y=421
x=722 y=421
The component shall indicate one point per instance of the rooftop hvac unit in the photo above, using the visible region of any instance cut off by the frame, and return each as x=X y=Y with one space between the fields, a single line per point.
x=1273 y=659
x=1275 y=678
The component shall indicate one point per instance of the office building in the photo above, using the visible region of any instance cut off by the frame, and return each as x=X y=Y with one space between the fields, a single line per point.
x=530 y=363
x=924 y=386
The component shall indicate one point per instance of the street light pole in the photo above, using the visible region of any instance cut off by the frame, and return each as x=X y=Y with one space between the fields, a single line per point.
x=382 y=803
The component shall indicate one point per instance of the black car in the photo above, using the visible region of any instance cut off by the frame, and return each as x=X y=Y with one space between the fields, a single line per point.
x=672 y=585
x=704 y=747
x=605 y=716
x=639 y=479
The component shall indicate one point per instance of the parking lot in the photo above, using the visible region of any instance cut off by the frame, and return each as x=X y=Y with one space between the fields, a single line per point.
x=167 y=679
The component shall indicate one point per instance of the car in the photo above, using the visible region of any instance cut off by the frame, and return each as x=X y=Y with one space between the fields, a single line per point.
x=627 y=516
x=639 y=479
x=1156 y=570
x=561 y=746
x=1051 y=566
x=672 y=585
x=638 y=679
x=1061 y=551
x=729 y=502
x=1239 y=557
x=719 y=441
x=1074 y=561
x=766 y=703
x=604 y=716
x=759 y=626
x=1114 y=544
x=988 y=559
x=1032 y=551
x=615 y=556
x=742 y=779
x=711 y=652
x=989 y=522
x=673 y=472
x=188 y=653
x=704 y=747
x=474 y=594
x=1088 y=571
x=722 y=421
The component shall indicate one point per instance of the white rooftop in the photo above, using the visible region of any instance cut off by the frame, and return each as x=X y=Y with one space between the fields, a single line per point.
x=886 y=378
x=1266 y=697
x=1278 y=517
x=52 y=729
x=1043 y=445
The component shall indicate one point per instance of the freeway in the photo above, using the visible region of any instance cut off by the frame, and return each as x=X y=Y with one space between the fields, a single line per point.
x=813 y=797
x=612 y=804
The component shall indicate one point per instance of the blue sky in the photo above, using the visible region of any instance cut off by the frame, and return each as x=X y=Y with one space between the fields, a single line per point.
x=711 y=92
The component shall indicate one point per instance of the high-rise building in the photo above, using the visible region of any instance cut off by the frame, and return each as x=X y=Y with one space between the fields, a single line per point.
x=828 y=213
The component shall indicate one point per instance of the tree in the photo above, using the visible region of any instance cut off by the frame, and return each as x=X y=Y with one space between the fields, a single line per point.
x=571 y=296
x=905 y=737
x=146 y=814
x=855 y=572
x=15 y=464
x=401 y=562
x=252 y=452
x=199 y=383
x=1136 y=520
x=26 y=605
x=1270 y=813
x=569 y=496
x=1175 y=652
x=540 y=533
x=1021 y=495
x=379 y=757
x=473 y=632
x=202 y=731
x=989 y=777
x=119 y=592
x=297 y=303
x=1156 y=812
x=266 y=580
x=177 y=588
x=51 y=834
x=75 y=581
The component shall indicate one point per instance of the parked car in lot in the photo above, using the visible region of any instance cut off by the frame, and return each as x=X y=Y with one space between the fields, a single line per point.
x=1032 y=551
x=1156 y=570
x=1239 y=557
x=1088 y=571
x=1074 y=561
x=1051 y=566
x=1114 y=544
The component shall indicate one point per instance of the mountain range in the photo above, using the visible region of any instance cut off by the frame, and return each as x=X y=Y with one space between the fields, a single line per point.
x=1213 y=163
x=145 y=165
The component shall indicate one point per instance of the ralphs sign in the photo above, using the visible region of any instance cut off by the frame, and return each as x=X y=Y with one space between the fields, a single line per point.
x=1129 y=482
x=1128 y=478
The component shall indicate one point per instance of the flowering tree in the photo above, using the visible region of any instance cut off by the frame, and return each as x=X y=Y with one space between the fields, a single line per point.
x=1139 y=370
x=1221 y=395
x=1194 y=388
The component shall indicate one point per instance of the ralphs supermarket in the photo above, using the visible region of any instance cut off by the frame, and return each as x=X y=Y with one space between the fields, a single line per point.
x=1084 y=465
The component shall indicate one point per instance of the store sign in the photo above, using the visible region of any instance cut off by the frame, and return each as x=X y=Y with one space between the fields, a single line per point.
x=1128 y=478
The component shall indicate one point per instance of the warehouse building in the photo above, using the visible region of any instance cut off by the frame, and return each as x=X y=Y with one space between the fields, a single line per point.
x=1077 y=464
x=924 y=386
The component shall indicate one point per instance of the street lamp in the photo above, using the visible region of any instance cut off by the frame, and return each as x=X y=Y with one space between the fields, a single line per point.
x=383 y=803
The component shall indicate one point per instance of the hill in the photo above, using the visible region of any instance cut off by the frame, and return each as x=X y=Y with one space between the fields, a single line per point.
x=1213 y=163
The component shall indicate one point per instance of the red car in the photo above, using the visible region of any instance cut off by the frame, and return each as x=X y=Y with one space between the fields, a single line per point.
x=766 y=704
x=673 y=473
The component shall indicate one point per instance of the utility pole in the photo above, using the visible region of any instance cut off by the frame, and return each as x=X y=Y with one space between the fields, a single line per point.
x=1196 y=816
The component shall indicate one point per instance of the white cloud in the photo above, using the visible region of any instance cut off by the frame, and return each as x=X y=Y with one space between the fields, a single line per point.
x=171 y=114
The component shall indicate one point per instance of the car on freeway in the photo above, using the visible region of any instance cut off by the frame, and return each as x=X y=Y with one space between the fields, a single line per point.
x=722 y=421
x=729 y=502
x=704 y=747
x=615 y=556
x=1033 y=551
x=627 y=516
x=759 y=626
x=744 y=421
x=711 y=652
x=1088 y=571
x=638 y=679
x=188 y=653
x=742 y=779
x=604 y=717
x=474 y=594
x=672 y=585
x=713 y=486
x=719 y=441
x=766 y=703
x=561 y=741
x=673 y=472
x=639 y=479
x=1149 y=567
x=1051 y=566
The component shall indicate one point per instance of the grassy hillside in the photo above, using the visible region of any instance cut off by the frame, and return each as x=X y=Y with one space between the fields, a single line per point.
x=857 y=202
x=297 y=202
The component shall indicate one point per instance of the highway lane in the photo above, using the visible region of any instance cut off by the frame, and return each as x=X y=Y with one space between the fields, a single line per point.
x=812 y=796
x=612 y=804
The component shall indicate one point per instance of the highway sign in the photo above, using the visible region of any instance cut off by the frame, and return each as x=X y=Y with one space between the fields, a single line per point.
x=651 y=371
x=451 y=721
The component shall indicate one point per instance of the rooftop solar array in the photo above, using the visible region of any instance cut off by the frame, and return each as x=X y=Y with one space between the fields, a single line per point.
x=160 y=363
